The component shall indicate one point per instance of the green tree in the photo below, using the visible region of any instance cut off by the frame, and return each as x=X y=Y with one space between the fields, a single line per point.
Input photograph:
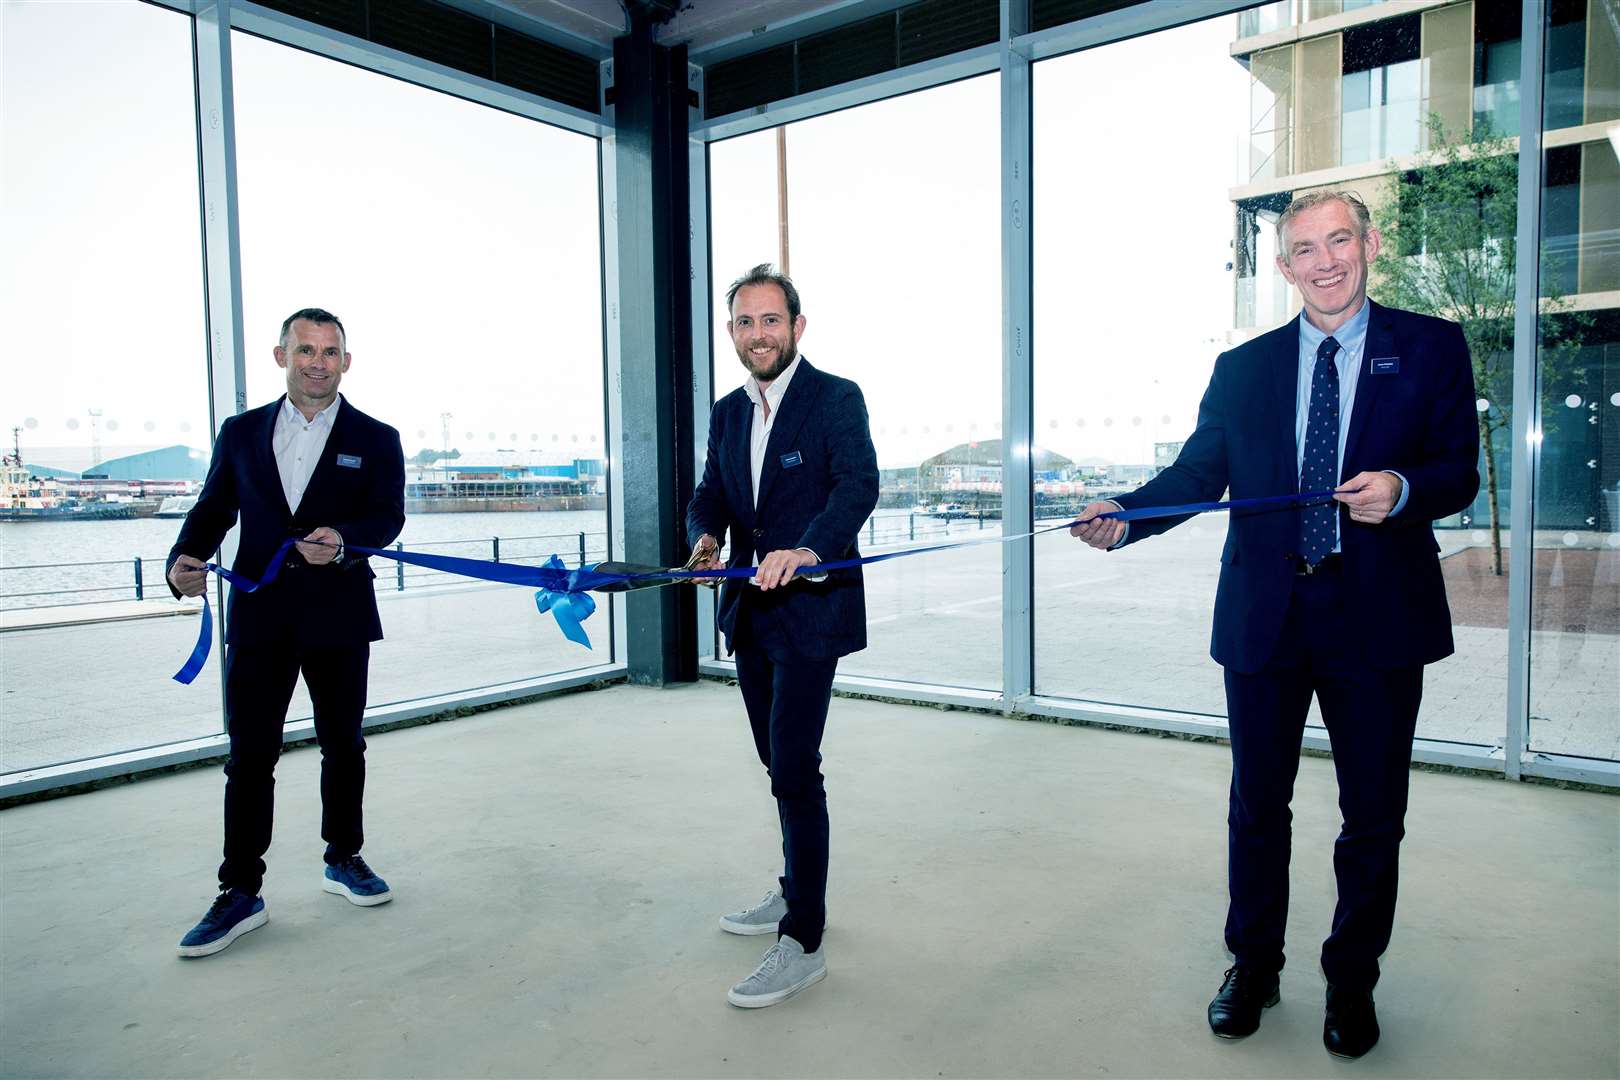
x=1451 y=250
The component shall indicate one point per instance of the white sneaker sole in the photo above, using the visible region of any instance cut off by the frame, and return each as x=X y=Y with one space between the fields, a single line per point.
x=252 y=922
x=731 y=926
x=337 y=888
x=760 y=1001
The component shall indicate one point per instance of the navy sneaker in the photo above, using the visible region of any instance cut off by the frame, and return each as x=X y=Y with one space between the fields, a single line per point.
x=232 y=914
x=356 y=882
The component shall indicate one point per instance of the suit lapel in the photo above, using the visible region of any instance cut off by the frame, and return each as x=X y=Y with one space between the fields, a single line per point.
x=795 y=406
x=1285 y=405
x=740 y=434
x=265 y=454
x=1380 y=343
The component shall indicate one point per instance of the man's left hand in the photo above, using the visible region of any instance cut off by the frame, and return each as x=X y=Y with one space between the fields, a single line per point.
x=321 y=546
x=1370 y=496
x=777 y=567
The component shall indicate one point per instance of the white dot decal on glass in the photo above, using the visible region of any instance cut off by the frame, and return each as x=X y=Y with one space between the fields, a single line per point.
x=1482 y=405
x=1614 y=540
x=185 y=425
x=1614 y=399
x=1573 y=401
x=112 y=425
x=30 y=423
x=1570 y=539
x=420 y=434
x=1136 y=421
x=149 y=426
x=1108 y=422
x=1479 y=536
x=534 y=438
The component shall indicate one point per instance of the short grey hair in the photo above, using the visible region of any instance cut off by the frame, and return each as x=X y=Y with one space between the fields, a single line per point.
x=1311 y=200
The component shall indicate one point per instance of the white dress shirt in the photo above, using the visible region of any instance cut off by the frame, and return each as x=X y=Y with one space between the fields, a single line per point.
x=760 y=434
x=298 y=444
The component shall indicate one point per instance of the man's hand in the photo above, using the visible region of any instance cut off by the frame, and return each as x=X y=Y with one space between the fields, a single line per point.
x=777 y=567
x=705 y=556
x=321 y=546
x=188 y=576
x=1100 y=534
x=1370 y=496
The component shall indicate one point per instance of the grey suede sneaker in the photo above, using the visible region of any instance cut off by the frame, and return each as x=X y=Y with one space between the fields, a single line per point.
x=785 y=970
x=762 y=918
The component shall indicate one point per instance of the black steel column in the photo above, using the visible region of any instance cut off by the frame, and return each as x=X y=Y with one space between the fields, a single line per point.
x=655 y=328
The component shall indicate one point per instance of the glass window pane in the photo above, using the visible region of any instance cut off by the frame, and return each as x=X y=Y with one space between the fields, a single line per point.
x=1117 y=403
x=894 y=244
x=460 y=246
x=106 y=382
x=1575 y=595
x=1113 y=404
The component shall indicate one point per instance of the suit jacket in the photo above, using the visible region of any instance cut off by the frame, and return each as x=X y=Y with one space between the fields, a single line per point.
x=818 y=485
x=1418 y=420
x=334 y=603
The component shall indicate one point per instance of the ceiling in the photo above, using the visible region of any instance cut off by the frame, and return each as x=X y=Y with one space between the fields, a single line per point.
x=714 y=27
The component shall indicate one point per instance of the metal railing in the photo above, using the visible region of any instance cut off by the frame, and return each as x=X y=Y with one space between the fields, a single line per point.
x=80 y=584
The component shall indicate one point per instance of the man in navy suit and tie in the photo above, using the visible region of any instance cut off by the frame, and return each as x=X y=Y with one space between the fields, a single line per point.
x=1342 y=599
x=308 y=465
x=791 y=475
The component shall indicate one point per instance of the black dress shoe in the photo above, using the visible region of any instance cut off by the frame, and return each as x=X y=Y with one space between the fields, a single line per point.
x=1235 y=1012
x=1350 y=1028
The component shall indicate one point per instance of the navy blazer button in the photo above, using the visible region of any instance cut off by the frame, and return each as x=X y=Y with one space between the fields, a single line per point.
x=759 y=532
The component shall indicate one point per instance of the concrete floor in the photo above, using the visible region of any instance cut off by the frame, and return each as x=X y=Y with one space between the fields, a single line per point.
x=1007 y=899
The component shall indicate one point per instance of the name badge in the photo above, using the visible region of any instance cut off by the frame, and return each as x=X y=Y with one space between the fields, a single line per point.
x=348 y=461
x=1386 y=365
x=790 y=460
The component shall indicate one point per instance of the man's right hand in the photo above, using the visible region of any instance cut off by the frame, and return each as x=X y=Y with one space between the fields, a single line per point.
x=188 y=576
x=705 y=556
x=1100 y=533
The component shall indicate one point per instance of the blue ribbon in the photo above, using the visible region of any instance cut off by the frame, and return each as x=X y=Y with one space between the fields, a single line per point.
x=566 y=593
x=1264 y=502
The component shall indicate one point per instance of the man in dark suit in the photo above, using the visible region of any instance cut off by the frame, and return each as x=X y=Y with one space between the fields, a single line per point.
x=313 y=466
x=791 y=475
x=1342 y=599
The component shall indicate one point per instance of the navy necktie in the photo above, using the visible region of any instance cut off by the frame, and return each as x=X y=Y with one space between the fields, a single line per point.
x=1320 y=468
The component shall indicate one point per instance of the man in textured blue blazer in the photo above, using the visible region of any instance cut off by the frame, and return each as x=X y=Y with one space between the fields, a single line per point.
x=791 y=476
x=1342 y=599
x=308 y=465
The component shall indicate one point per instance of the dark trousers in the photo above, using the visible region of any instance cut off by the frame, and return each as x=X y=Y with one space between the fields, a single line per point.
x=259 y=683
x=1370 y=713
x=786 y=697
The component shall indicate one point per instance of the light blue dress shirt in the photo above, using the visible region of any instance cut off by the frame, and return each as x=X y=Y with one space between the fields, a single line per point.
x=1352 y=339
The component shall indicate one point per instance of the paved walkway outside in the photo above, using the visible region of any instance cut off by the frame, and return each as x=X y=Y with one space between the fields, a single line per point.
x=1008 y=899
x=1128 y=627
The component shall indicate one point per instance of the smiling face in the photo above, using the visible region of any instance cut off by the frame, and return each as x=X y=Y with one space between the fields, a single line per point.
x=1325 y=255
x=313 y=357
x=767 y=340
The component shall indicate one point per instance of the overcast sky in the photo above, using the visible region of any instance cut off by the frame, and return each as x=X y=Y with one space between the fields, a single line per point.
x=460 y=244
